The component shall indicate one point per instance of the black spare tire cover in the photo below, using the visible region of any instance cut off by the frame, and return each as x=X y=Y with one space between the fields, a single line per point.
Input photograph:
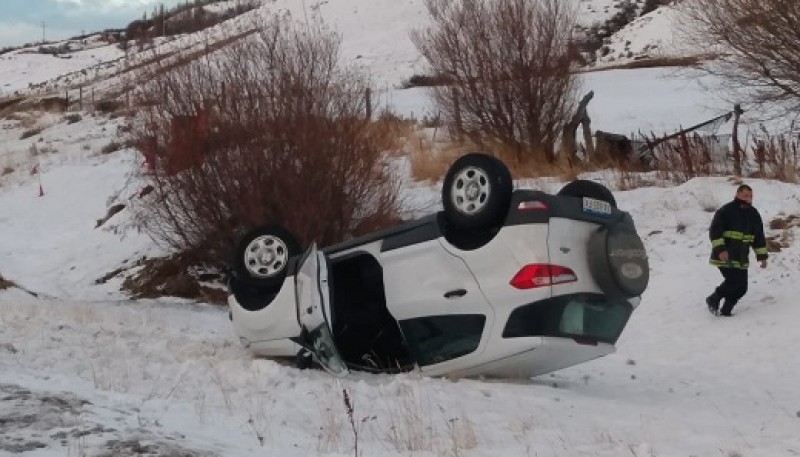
x=618 y=260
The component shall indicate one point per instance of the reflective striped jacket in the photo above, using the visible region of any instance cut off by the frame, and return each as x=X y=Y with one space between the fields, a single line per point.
x=736 y=228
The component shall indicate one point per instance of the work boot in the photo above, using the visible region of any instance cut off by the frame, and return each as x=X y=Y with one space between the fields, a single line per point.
x=727 y=307
x=713 y=302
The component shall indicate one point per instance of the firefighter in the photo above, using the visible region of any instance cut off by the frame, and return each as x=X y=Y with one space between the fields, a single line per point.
x=735 y=229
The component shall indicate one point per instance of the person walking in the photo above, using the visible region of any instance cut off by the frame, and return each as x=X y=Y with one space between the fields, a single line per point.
x=735 y=229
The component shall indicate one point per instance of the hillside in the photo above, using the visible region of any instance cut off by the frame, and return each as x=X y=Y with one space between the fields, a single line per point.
x=86 y=371
x=374 y=35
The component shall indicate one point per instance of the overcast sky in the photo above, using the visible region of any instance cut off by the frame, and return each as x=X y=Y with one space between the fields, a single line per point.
x=21 y=20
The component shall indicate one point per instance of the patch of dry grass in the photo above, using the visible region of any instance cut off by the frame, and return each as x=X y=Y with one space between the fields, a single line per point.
x=6 y=284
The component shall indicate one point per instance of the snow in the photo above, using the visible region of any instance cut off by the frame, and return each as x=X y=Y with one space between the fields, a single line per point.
x=26 y=69
x=86 y=371
x=654 y=35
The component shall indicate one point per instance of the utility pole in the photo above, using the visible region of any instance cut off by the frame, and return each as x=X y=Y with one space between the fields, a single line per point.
x=43 y=35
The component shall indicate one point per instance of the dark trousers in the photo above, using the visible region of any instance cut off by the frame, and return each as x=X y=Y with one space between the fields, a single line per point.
x=734 y=286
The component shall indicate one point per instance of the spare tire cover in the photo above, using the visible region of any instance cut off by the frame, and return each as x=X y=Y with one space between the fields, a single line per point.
x=618 y=260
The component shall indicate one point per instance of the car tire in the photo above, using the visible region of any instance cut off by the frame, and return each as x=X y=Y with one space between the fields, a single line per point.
x=590 y=189
x=476 y=193
x=261 y=257
x=618 y=260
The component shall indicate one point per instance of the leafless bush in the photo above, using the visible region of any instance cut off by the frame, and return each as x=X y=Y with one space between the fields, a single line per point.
x=73 y=118
x=108 y=106
x=776 y=156
x=32 y=132
x=269 y=130
x=685 y=157
x=758 y=44
x=111 y=147
x=510 y=62
x=6 y=284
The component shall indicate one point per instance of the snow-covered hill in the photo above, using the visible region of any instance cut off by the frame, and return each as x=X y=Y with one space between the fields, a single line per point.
x=87 y=372
x=375 y=36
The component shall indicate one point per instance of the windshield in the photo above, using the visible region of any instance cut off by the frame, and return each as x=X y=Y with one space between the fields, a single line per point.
x=588 y=316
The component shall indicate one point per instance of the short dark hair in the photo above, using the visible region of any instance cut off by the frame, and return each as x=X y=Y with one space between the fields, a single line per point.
x=743 y=187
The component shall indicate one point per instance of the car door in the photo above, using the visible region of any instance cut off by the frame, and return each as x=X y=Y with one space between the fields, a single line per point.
x=314 y=307
x=438 y=304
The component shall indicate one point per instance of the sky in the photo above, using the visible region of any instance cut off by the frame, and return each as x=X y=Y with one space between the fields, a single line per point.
x=21 y=20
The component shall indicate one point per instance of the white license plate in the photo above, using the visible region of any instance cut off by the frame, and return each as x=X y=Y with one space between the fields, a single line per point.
x=594 y=206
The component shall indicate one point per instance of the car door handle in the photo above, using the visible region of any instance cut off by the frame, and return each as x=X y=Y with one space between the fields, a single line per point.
x=458 y=293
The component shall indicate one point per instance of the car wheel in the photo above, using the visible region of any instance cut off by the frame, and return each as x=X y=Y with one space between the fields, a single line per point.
x=618 y=260
x=476 y=192
x=262 y=256
x=591 y=189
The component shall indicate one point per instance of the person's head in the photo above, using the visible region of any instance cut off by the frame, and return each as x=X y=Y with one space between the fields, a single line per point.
x=745 y=194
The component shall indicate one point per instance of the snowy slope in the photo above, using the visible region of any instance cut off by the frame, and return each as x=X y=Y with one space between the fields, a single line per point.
x=104 y=375
x=375 y=36
x=654 y=35
x=84 y=371
x=170 y=377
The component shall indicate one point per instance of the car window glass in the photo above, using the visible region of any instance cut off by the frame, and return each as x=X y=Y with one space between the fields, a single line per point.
x=592 y=316
x=436 y=339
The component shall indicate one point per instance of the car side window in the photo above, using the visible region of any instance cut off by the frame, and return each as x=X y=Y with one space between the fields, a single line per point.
x=436 y=339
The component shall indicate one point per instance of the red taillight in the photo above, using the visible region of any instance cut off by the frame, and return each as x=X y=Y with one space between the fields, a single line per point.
x=532 y=205
x=542 y=274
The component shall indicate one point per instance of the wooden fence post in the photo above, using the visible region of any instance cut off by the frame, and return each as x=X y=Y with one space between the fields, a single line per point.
x=737 y=147
x=368 y=96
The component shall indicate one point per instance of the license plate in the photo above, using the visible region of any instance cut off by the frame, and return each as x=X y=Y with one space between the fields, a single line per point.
x=594 y=206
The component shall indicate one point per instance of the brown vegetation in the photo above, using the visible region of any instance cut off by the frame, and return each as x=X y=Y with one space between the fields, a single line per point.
x=271 y=131
x=511 y=63
x=168 y=276
x=6 y=284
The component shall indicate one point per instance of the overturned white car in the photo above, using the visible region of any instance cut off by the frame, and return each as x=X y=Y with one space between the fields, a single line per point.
x=502 y=282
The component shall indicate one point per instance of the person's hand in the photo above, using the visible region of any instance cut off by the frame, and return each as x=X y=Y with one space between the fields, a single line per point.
x=723 y=256
x=763 y=264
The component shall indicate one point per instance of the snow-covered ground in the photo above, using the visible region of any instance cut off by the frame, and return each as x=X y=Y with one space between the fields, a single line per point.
x=85 y=371
x=85 y=375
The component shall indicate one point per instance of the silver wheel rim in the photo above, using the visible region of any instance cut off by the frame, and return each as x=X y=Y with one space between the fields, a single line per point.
x=470 y=191
x=266 y=256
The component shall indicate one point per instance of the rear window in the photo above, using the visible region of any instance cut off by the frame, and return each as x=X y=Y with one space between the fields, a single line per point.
x=436 y=339
x=587 y=316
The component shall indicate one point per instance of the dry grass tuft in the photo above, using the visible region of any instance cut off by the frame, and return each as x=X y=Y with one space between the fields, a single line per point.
x=6 y=284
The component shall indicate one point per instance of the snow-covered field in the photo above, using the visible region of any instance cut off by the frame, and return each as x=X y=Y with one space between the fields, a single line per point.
x=85 y=371
x=81 y=374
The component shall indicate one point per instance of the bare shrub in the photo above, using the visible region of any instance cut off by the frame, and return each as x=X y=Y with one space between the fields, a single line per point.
x=270 y=130
x=32 y=132
x=108 y=106
x=6 y=284
x=111 y=147
x=73 y=118
x=511 y=64
x=758 y=45
x=776 y=156
x=685 y=157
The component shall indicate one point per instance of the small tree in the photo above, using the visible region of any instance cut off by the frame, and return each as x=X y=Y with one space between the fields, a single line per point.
x=757 y=47
x=270 y=129
x=511 y=63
